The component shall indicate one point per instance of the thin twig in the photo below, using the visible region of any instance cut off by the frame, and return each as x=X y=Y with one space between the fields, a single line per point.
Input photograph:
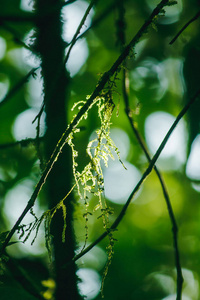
x=144 y=176
x=184 y=27
x=74 y=39
x=16 y=38
x=22 y=143
x=68 y=2
x=23 y=278
x=37 y=142
x=164 y=188
x=22 y=17
x=18 y=86
x=98 y=19
x=63 y=140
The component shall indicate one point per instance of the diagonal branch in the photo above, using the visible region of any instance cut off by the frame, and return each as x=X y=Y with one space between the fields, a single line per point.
x=75 y=37
x=63 y=140
x=68 y=2
x=100 y=17
x=144 y=176
x=18 y=86
x=22 y=143
x=23 y=278
x=164 y=188
x=16 y=36
x=184 y=27
x=95 y=22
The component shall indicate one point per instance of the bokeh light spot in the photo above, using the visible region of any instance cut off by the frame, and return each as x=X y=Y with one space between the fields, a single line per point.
x=156 y=126
x=4 y=86
x=23 y=127
x=150 y=75
x=119 y=182
x=2 y=47
x=90 y=283
x=72 y=14
x=78 y=57
x=193 y=164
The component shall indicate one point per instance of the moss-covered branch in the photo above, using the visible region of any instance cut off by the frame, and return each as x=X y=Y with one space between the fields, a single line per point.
x=63 y=140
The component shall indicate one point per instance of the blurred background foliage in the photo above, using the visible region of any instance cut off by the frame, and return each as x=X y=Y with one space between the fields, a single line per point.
x=162 y=77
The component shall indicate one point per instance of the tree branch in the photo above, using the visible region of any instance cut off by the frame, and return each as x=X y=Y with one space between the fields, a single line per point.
x=185 y=26
x=23 y=278
x=18 y=86
x=68 y=2
x=22 y=143
x=16 y=38
x=98 y=19
x=74 y=39
x=164 y=188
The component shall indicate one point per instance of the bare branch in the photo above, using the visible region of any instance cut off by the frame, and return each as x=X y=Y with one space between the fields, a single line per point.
x=16 y=38
x=164 y=188
x=74 y=39
x=68 y=2
x=23 y=278
x=185 y=26
x=98 y=19
x=18 y=86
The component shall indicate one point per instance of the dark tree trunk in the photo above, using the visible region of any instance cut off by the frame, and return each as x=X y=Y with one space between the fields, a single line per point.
x=50 y=46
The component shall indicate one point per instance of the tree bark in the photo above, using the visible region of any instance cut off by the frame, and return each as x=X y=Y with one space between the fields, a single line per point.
x=50 y=46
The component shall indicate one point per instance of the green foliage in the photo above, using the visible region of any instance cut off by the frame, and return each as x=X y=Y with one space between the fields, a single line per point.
x=99 y=150
x=90 y=180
